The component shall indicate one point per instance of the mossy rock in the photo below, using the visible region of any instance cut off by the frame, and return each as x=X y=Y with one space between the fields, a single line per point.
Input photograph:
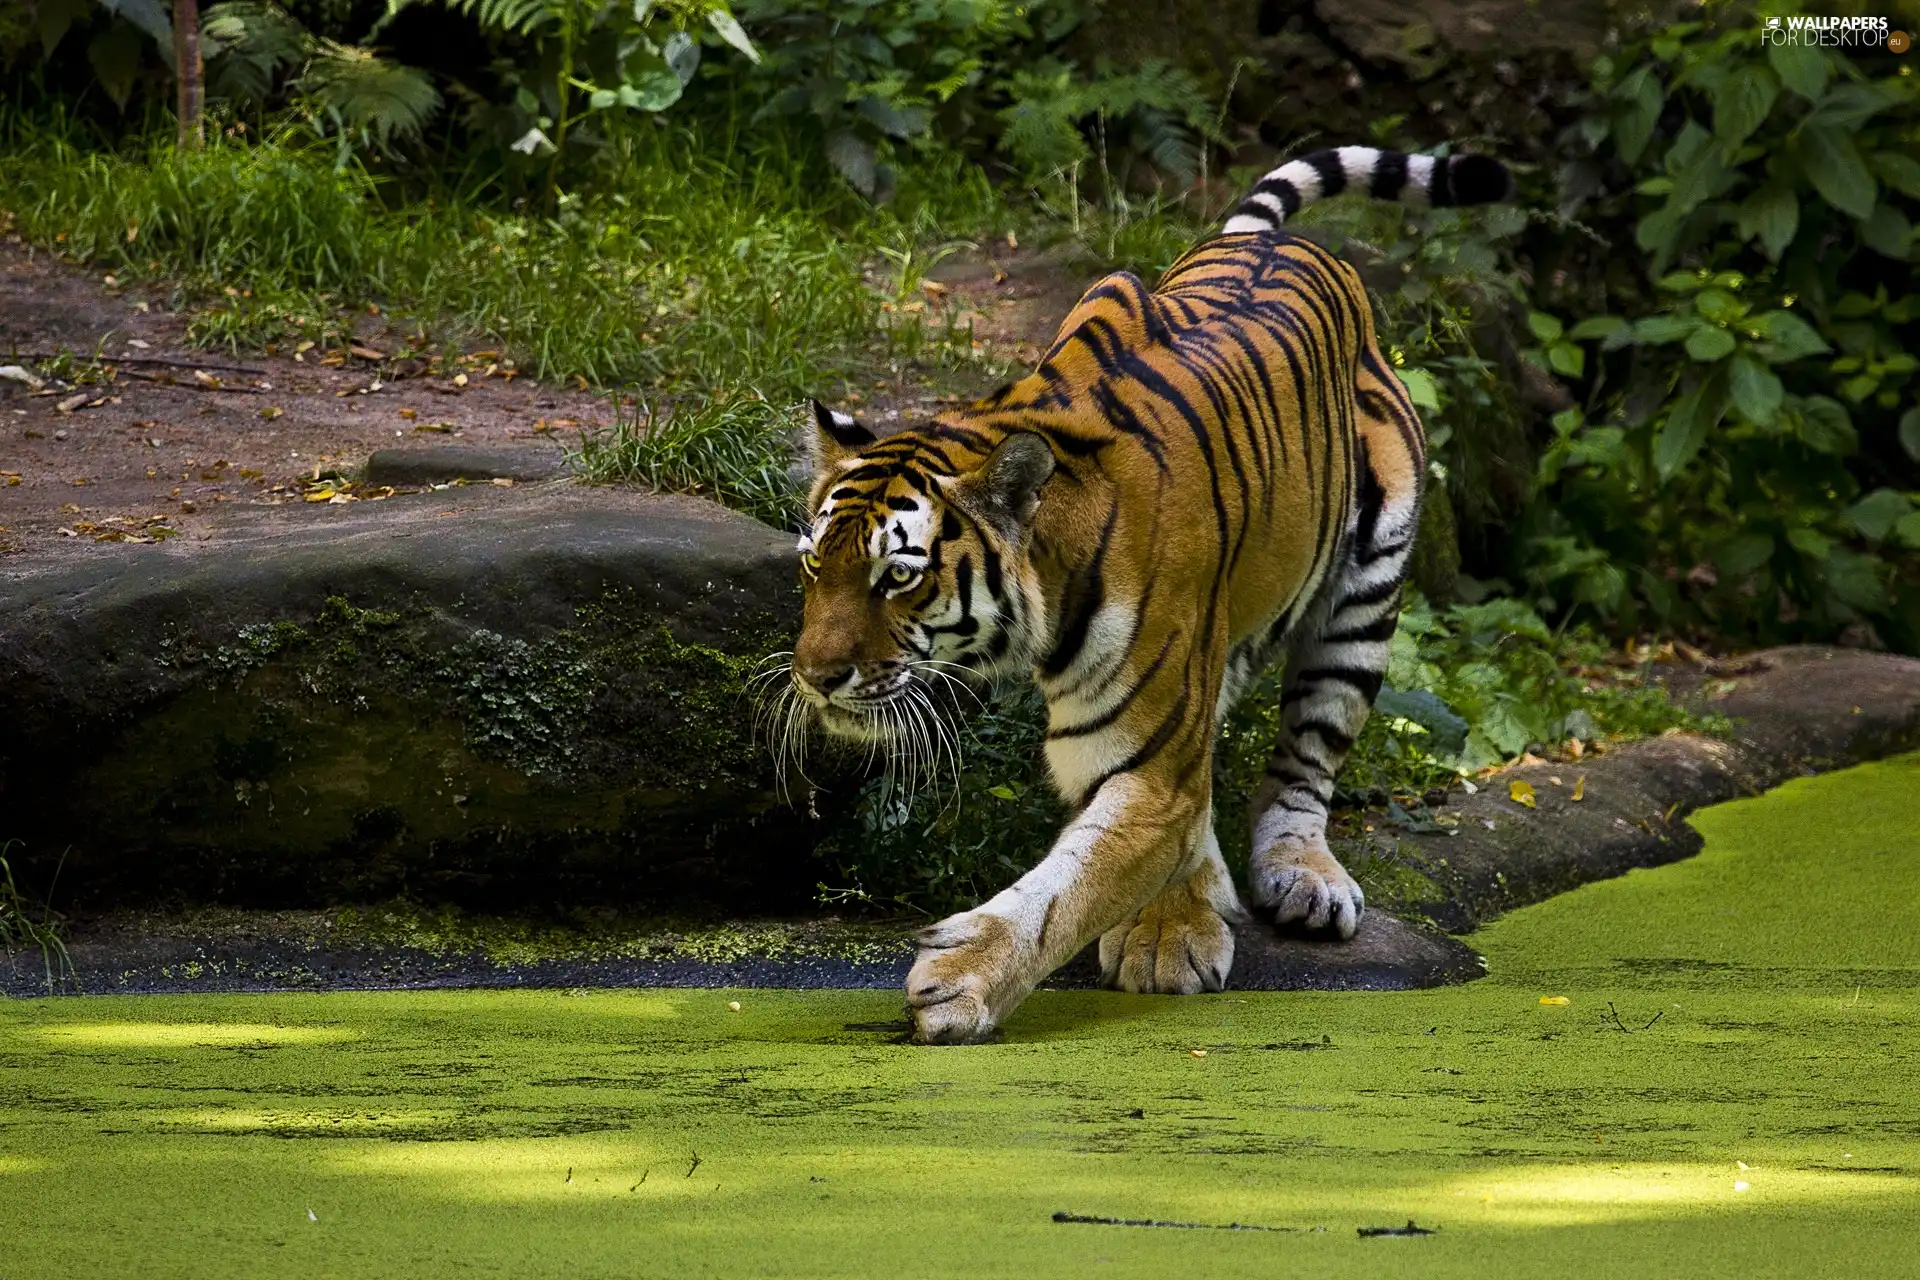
x=551 y=707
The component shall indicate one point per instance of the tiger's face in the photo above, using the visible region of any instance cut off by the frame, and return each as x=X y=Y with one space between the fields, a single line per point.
x=915 y=569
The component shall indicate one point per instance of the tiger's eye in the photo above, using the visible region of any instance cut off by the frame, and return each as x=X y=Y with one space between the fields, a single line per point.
x=810 y=563
x=901 y=575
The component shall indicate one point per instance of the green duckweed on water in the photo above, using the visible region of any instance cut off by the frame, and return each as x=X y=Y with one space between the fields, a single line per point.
x=1732 y=1088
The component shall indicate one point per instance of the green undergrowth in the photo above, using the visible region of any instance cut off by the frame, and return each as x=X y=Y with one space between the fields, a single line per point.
x=692 y=267
x=1729 y=1088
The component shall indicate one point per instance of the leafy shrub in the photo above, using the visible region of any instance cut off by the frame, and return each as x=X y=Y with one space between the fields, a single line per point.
x=1750 y=404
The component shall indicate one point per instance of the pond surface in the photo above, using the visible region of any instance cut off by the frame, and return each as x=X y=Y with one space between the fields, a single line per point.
x=1726 y=1081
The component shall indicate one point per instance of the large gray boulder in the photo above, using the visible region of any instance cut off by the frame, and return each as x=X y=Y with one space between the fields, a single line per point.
x=494 y=696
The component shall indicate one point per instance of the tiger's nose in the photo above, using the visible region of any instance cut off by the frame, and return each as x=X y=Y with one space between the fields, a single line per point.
x=825 y=677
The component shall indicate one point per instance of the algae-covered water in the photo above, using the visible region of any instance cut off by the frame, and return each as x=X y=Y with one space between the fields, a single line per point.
x=1732 y=1087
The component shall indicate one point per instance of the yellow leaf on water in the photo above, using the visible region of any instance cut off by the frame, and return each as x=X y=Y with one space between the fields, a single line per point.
x=1555 y=1000
x=1521 y=792
x=1580 y=787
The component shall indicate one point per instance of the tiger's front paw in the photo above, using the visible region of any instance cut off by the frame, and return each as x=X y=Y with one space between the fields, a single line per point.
x=1178 y=946
x=964 y=980
x=1302 y=883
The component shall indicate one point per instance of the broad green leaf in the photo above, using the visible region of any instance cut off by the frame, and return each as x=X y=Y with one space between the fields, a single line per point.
x=1421 y=388
x=1707 y=344
x=1826 y=425
x=682 y=54
x=1702 y=177
x=1756 y=391
x=1910 y=432
x=116 y=55
x=1810 y=543
x=1857 y=578
x=1888 y=233
x=1567 y=358
x=853 y=159
x=1773 y=215
x=1680 y=281
x=1545 y=328
x=1788 y=337
x=729 y=30
x=1744 y=554
x=1692 y=418
x=1834 y=166
x=1742 y=102
x=1597 y=327
x=1659 y=232
x=1640 y=97
x=149 y=15
x=1898 y=170
x=1801 y=68
x=1907 y=530
x=1876 y=514
x=1654 y=330
x=1848 y=106
x=1719 y=306
x=601 y=99
x=1428 y=710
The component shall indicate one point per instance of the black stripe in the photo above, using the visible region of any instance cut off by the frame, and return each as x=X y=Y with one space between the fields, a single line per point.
x=1389 y=175
x=1333 y=175
x=1440 y=186
x=1157 y=742
x=1119 y=708
x=1087 y=592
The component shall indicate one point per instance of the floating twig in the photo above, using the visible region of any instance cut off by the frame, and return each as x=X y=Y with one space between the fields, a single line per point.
x=1096 y=1220
x=1411 y=1229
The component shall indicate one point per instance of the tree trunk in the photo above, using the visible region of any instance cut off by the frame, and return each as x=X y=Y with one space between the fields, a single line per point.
x=189 y=72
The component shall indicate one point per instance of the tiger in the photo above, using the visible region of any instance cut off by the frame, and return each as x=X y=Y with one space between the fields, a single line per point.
x=1197 y=479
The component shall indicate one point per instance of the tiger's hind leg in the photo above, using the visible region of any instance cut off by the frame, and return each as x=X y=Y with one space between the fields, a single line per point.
x=1335 y=664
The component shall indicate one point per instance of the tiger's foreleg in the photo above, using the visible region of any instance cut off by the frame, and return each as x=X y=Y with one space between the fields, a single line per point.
x=1181 y=942
x=1135 y=834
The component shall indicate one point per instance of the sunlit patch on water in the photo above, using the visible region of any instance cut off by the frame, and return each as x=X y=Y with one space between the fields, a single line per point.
x=186 y=1035
x=1551 y=1195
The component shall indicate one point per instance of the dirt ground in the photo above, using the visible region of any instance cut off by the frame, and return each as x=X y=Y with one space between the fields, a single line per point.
x=142 y=438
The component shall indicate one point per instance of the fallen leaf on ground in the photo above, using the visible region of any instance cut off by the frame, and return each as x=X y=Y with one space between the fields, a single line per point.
x=409 y=414
x=368 y=353
x=1580 y=787
x=73 y=402
x=320 y=495
x=271 y=414
x=1555 y=1000
x=1521 y=792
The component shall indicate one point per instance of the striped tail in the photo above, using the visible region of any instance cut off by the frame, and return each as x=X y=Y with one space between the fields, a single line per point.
x=1385 y=175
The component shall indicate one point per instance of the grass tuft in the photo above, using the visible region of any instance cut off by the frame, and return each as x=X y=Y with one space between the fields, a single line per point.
x=20 y=928
x=734 y=447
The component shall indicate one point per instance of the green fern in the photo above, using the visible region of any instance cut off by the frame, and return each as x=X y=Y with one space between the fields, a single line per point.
x=248 y=45
x=365 y=93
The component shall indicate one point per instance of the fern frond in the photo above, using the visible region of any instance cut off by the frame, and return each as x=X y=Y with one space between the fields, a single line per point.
x=365 y=91
x=248 y=44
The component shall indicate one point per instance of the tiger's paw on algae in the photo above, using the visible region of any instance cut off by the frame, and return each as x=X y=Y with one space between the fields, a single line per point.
x=965 y=979
x=1178 y=945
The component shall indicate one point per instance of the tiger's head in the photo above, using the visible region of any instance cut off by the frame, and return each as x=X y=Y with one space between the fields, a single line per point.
x=916 y=571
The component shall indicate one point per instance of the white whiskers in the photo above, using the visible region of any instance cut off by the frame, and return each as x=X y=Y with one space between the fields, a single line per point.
x=907 y=733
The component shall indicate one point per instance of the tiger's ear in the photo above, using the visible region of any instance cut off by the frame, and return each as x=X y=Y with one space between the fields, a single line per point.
x=831 y=437
x=1006 y=487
